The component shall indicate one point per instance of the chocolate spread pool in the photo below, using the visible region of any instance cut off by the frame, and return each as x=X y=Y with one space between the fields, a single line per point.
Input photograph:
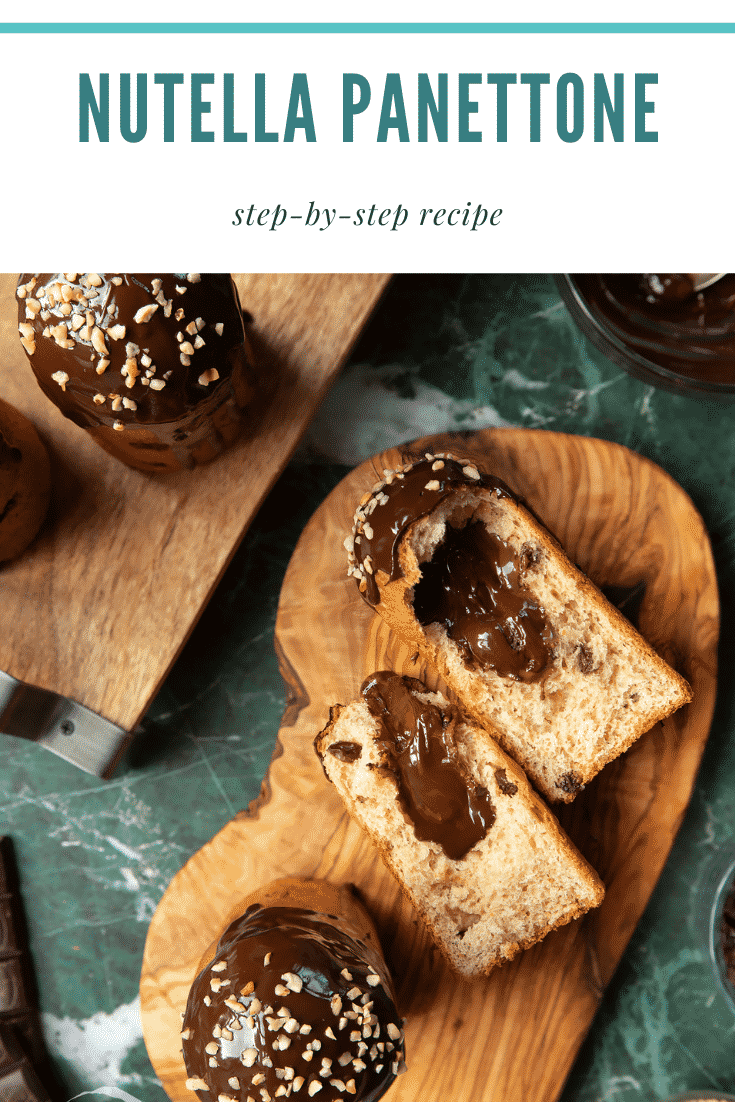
x=665 y=321
x=444 y=804
x=473 y=586
x=291 y=999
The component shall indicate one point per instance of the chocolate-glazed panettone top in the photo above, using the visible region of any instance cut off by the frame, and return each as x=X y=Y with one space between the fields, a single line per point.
x=162 y=352
x=293 y=1002
x=404 y=495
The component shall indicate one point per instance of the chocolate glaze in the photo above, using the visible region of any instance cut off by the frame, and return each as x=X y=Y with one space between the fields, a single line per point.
x=183 y=422
x=305 y=949
x=664 y=320
x=444 y=804
x=404 y=500
x=473 y=586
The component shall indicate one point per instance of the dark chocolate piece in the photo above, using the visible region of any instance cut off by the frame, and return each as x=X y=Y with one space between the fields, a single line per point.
x=292 y=997
x=570 y=782
x=507 y=787
x=21 y=1084
x=727 y=935
x=444 y=804
x=346 y=751
x=19 y=1017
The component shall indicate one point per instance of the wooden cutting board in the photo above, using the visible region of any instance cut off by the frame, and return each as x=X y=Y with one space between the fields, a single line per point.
x=100 y=605
x=513 y=1036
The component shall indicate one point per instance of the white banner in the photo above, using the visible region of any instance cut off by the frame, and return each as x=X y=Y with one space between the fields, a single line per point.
x=334 y=150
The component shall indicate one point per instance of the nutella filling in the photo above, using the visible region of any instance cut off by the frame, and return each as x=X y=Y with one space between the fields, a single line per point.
x=663 y=319
x=444 y=805
x=412 y=494
x=473 y=586
x=275 y=1007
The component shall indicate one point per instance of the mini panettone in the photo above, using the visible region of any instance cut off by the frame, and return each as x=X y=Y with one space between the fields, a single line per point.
x=25 y=482
x=155 y=367
x=293 y=999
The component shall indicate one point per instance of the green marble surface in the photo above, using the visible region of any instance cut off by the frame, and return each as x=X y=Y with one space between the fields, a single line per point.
x=442 y=352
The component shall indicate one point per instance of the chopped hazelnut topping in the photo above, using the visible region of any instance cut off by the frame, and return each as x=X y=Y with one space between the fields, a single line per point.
x=212 y=1048
x=191 y=328
x=187 y=348
x=194 y=277
x=199 y=342
x=208 y=376
x=186 y=360
x=94 y=280
x=181 y=290
x=129 y=403
x=373 y=979
x=145 y=313
x=196 y=1084
x=102 y=365
x=293 y=981
x=118 y=426
x=298 y=1082
x=249 y=1056
x=99 y=399
x=219 y=328
x=314 y=1087
x=200 y=324
x=157 y=384
x=471 y=472
x=98 y=341
x=116 y=332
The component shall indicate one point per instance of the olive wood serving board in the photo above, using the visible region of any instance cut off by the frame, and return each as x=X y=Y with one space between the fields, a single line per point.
x=101 y=603
x=512 y=1036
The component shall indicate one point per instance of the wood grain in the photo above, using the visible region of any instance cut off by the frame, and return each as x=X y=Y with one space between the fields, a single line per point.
x=513 y=1036
x=100 y=605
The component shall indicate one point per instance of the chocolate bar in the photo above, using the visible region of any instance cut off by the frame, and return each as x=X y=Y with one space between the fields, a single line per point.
x=18 y=1080
x=22 y=1047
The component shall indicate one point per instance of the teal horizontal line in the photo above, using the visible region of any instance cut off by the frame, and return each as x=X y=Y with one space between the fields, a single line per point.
x=367 y=28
